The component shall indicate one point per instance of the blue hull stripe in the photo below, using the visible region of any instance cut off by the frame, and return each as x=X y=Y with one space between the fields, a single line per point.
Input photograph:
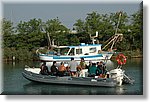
x=68 y=57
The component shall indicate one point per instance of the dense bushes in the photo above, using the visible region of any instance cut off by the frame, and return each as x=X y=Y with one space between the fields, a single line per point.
x=19 y=54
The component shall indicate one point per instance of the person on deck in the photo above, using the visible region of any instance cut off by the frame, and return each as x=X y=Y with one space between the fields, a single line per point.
x=101 y=69
x=61 y=69
x=100 y=64
x=92 y=70
x=54 y=69
x=82 y=64
x=44 y=69
x=89 y=65
x=73 y=67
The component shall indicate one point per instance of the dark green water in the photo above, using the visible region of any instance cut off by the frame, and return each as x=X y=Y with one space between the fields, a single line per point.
x=14 y=83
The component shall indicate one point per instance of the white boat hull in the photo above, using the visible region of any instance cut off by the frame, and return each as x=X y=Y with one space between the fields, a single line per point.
x=45 y=57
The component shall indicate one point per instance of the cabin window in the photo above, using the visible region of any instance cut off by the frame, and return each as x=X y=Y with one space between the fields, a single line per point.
x=64 y=51
x=92 y=50
x=78 y=51
x=71 y=51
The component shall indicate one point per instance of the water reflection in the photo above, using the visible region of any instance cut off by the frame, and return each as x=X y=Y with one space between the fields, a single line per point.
x=39 y=88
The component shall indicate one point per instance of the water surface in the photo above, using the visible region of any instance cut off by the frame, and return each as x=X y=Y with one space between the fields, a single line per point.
x=15 y=83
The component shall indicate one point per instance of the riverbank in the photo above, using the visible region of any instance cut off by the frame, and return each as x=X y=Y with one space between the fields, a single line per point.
x=129 y=57
x=130 y=54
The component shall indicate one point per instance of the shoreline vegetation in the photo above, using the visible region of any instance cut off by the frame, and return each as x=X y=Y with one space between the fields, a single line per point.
x=34 y=57
x=20 y=42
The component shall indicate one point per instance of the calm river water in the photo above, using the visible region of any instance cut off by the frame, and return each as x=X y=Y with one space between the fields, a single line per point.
x=15 y=83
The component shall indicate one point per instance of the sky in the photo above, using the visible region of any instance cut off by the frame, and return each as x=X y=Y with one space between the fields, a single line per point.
x=67 y=13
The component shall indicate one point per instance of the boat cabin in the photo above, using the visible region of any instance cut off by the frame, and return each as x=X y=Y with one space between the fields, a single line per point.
x=82 y=49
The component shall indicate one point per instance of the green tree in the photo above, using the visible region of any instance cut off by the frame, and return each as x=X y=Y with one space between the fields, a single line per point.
x=136 y=30
x=8 y=33
x=55 y=31
x=73 y=40
x=93 y=21
x=30 y=34
x=79 y=26
x=121 y=22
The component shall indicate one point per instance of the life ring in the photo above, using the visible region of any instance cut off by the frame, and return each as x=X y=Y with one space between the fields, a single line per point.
x=121 y=59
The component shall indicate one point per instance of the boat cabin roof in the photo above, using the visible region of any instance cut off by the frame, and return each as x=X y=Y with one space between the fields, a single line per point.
x=81 y=45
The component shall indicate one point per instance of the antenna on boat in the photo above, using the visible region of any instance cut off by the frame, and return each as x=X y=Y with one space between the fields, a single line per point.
x=93 y=37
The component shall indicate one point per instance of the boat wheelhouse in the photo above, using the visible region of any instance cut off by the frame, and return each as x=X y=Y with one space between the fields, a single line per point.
x=86 y=51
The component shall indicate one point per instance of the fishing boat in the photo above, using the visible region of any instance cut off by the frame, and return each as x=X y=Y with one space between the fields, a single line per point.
x=87 y=51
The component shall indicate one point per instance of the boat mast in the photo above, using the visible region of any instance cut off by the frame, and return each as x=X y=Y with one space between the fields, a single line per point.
x=116 y=37
x=49 y=40
x=118 y=23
